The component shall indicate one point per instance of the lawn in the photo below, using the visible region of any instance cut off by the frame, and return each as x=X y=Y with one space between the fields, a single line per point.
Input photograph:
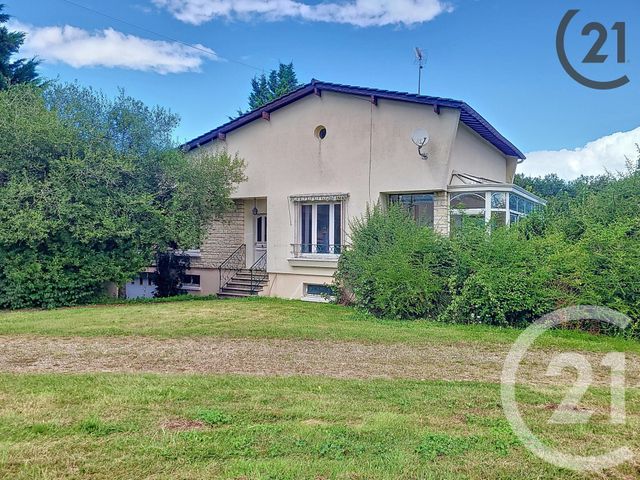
x=272 y=318
x=186 y=426
x=140 y=426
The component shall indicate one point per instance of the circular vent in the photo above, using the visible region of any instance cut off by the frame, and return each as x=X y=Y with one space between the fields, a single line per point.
x=320 y=132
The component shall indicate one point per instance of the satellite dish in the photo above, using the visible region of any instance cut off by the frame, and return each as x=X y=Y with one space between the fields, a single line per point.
x=420 y=138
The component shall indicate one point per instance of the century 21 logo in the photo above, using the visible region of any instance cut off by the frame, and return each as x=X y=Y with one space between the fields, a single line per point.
x=594 y=55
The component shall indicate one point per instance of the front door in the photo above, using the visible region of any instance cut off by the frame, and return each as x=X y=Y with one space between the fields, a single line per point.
x=260 y=237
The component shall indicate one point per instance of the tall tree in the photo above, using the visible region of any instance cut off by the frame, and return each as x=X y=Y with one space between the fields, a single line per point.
x=91 y=188
x=265 y=89
x=552 y=186
x=21 y=70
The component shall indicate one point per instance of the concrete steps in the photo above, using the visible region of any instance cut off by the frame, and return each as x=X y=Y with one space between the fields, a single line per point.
x=242 y=284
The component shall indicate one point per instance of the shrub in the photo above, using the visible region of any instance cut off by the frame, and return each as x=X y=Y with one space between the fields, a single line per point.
x=602 y=267
x=170 y=267
x=395 y=268
x=91 y=189
x=496 y=276
x=501 y=277
x=599 y=261
x=583 y=249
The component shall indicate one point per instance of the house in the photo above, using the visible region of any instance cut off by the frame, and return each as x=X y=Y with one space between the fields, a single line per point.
x=319 y=155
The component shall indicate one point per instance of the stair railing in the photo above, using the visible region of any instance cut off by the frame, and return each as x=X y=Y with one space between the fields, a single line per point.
x=232 y=265
x=258 y=272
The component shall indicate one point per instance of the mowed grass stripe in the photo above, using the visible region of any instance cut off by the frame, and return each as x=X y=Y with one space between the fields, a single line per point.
x=273 y=318
x=192 y=426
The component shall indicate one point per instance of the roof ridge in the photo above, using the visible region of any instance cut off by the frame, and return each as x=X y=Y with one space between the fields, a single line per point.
x=468 y=115
x=386 y=91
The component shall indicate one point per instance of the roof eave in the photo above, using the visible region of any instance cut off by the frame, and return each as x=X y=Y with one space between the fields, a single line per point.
x=468 y=115
x=249 y=117
x=508 y=148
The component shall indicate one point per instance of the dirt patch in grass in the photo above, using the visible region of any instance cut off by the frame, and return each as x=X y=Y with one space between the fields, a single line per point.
x=456 y=361
x=314 y=422
x=181 y=424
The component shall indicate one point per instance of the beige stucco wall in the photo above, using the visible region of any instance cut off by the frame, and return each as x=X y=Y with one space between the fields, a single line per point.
x=512 y=165
x=209 y=280
x=473 y=155
x=283 y=154
x=367 y=152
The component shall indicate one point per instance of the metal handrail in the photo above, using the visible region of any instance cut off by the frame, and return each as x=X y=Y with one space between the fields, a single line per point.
x=241 y=247
x=258 y=272
x=232 y=265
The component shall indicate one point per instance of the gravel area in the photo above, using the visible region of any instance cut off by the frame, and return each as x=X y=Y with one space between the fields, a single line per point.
x=461 y=361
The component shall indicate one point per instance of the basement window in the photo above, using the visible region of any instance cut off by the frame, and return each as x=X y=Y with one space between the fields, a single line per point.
x=315 y=292
x=190 y=282
x=319 y=290
x=191 y=279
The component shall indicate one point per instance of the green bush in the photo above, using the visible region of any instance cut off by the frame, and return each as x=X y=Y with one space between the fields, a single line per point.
x=583 y=249
x=598 y=262
x=501 y=277
x=395 y=268
x=602 y=267
x=91 y=189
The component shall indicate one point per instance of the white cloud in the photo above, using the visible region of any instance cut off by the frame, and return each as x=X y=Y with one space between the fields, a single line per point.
x=363 y=13
x=604 y=154
x=110 y=48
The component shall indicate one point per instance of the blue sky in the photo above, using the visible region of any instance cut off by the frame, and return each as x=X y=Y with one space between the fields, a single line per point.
x=497 y=55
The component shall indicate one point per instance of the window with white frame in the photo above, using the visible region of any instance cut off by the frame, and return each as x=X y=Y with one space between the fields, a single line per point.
x=520 y=207
x=469 y=205
x=498 y=207
x=320 y=228
x=317 y=290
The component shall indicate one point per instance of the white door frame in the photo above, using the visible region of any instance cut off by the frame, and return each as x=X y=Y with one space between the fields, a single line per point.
x=259 y=236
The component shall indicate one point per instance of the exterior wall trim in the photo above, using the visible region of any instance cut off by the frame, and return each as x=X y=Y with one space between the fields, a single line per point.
x=316 y=262
x=319 y=197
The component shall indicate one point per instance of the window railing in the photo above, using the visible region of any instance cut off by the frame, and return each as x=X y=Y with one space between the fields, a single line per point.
x=312 y=249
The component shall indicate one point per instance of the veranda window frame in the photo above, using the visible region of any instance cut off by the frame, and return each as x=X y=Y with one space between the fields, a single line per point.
x=511 y=216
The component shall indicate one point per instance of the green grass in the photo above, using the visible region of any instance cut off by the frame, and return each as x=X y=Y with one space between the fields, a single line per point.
x=273 y=318
x=113 y=427
x=130 y=426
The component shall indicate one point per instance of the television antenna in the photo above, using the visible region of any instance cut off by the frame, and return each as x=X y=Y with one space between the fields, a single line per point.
x=420 y=60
